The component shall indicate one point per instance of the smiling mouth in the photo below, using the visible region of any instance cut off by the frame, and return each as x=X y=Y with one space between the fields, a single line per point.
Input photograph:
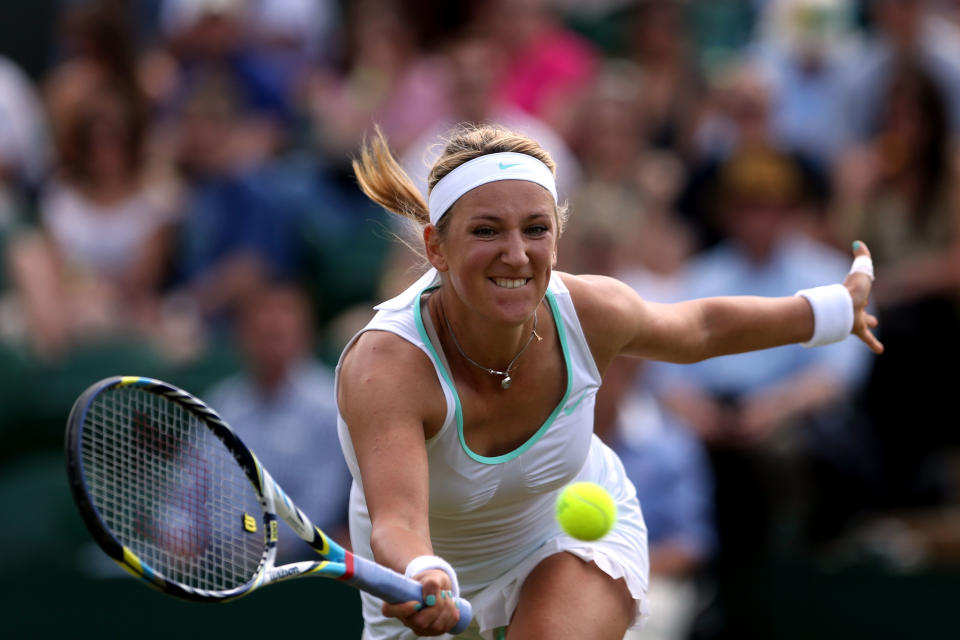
x=509 y=283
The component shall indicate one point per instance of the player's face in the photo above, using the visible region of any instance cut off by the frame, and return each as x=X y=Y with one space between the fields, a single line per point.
x=499 y=249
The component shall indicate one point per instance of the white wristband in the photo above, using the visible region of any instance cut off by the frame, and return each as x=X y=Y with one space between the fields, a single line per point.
x=832 y=313
x=425 y=563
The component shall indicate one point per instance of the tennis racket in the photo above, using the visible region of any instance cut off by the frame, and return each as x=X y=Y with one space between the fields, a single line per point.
x=171 y=494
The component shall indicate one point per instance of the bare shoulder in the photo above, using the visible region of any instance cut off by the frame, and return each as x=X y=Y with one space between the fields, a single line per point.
x=385 y=377
x=601 y=298
x=609 y=312
x=594 y=288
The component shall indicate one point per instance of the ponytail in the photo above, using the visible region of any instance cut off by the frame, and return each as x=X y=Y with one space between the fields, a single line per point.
x=385 y=182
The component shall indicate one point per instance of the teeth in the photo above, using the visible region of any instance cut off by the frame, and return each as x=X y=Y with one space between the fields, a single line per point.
x=510 y=283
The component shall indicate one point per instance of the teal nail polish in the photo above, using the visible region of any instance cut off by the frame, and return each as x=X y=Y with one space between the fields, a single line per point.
x=856 y=245
x=456 y=603
x=417 y=607
x=430 y=600
x=443 y=595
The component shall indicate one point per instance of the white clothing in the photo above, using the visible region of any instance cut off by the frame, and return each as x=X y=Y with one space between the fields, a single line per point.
x=24 y=143
x=106 y=240
x=492 y=518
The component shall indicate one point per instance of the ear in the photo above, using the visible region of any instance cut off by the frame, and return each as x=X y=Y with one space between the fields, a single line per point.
x=434 y=247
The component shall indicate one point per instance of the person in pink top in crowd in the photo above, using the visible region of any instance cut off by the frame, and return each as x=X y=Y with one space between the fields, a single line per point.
x=548 y=66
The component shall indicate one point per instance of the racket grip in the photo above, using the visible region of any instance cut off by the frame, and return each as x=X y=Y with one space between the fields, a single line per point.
x=392 y=587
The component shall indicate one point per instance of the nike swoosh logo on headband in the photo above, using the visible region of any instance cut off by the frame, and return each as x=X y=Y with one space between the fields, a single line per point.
x=507 y=166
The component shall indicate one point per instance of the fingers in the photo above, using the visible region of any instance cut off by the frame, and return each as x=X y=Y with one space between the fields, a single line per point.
x=871 y=340
x=426 y=619
x=862 y=329
x=860 y=249
x=862 y=266
x=401 y=610
x=860 y=283
x=438 y=612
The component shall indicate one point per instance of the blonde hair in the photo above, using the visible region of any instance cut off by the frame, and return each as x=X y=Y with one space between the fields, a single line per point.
x=385 y=182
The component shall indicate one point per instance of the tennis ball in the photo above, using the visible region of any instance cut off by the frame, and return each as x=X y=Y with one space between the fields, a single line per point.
x=586 y=511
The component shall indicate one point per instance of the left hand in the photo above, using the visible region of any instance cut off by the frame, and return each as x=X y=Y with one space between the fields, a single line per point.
x=859 y=285
x=432 y=619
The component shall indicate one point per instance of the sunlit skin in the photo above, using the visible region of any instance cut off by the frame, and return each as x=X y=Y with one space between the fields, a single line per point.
x=500 y=230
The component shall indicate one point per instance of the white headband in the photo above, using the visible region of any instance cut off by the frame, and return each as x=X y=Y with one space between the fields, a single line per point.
x=488 y=168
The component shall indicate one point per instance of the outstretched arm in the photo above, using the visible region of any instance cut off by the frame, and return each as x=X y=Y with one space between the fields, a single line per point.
x=390 y=410
x=618 y=322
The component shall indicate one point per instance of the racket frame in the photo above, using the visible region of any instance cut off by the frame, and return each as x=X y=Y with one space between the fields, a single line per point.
x=337 y=563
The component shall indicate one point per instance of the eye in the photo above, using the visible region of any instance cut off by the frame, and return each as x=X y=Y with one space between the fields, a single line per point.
x=537 y=229
x=483 y=232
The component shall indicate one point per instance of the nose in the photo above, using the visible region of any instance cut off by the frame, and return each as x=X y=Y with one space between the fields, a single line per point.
x=514 y=252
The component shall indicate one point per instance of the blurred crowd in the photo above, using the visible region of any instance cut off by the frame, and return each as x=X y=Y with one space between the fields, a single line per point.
x=180 y=174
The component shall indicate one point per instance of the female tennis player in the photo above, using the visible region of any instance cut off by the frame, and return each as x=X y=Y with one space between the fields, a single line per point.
x=467 y=403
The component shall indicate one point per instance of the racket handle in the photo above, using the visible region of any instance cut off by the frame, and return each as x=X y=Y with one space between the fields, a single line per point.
x=392 y=587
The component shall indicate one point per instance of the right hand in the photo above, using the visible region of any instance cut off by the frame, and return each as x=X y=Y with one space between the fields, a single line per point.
x=427 y=620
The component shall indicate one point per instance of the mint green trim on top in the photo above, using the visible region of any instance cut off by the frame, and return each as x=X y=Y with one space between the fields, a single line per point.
x=561 y=333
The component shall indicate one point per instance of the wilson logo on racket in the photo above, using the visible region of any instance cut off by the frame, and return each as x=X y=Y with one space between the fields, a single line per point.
x=249 y=523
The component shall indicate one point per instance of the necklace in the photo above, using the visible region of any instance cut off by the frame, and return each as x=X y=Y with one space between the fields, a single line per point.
x=505 y=374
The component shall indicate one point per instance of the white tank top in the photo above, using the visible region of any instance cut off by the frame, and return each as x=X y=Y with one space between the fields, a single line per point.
x=487 y=513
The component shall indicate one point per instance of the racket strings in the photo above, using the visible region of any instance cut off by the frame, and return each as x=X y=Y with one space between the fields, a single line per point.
x=170 y=491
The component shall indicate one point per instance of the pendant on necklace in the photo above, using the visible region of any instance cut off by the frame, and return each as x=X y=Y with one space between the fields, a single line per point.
x=505 y=383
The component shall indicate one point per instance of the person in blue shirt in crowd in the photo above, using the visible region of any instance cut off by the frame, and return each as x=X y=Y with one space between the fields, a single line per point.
x=671 y=471
x=742 y=406
x=282 y=405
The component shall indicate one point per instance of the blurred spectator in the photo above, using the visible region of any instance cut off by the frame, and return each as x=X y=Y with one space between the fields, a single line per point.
x=627 y=187
x=670 y=469
x=25 y=267
x=673 y=86
x=947 y=10
x=290 y=38
x=213 y=41
x=721 y=30
x=306 y=30
x=238 y=231
x=217 y=37
x=899 y=193
x=739 y=119
x=472 y=65
x=283 y=407
x=31 y=306
x=24 y=139
x=98 y=267
x=903 y=29
x=738 y=114
x=748 y=408
x=806 y=48
x=388 y=80
x=97 y=52
x=107 y=216
x=547 y=66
